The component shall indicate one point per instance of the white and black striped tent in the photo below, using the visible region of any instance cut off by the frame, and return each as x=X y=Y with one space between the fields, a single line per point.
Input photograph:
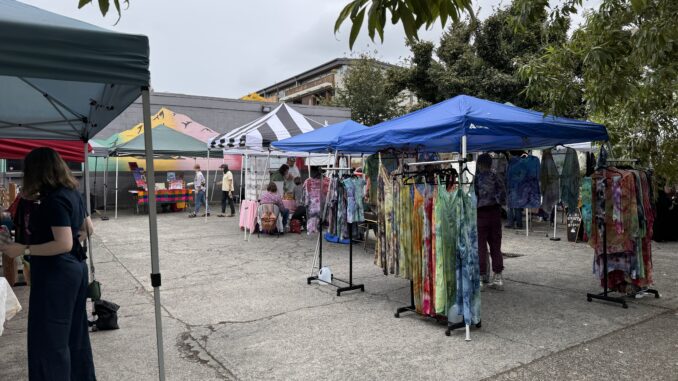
x=281 y=123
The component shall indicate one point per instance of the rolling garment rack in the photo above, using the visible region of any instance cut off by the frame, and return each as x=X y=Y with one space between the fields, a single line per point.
x=412 y=308
x=600 y=220
x=348 y=284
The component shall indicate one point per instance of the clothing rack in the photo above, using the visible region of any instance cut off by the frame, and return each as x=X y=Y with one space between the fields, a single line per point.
x=349 y=286
x=411 y=307
x=600 y=220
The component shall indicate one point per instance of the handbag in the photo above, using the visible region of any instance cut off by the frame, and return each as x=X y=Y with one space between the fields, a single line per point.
x=107 y=315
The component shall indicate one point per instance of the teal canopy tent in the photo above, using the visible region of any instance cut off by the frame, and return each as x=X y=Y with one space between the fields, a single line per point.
x=62 y=79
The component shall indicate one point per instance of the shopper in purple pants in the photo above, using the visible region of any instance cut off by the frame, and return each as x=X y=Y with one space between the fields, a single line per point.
x=491 y=195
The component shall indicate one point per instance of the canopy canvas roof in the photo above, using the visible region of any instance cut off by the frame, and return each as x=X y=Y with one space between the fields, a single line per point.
x=281 y=123
x=72 y=151
x=63 y=79
x=323 y=139
x=487 y=125
x=166 y=141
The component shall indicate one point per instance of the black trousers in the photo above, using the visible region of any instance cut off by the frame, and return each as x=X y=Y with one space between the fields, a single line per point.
x=225 y=197
x=58 y=338
x=300 y=214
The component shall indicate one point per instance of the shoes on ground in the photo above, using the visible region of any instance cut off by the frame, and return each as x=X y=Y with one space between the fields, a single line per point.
x=221 y=215
x=192 y=215
x=497 y=282
x=231 y=215
x=203 y=215
x=509 y=226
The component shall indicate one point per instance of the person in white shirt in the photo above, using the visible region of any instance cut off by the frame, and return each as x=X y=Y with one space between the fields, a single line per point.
x=200 y=198
x=226 y=191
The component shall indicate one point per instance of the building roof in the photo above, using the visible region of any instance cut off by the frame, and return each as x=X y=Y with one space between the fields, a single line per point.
x=327 y=66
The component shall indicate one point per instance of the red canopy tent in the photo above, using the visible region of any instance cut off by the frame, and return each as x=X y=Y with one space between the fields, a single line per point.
x=71 y=151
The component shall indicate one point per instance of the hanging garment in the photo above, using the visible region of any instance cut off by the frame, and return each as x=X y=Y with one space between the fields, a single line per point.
x=624 y=217
x=417 y=245
x=405 y=222
x=467 y=266
x=586 y=211
x=523 y=182
x=445 y=253
x=569 y=180
x=313 y=204
x=380 y=252
x=396 y=232
x=550 y=181
x=427 y=263
x=355 y=209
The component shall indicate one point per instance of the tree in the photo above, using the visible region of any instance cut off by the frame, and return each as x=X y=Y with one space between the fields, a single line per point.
x=413 y=14
x=105 y=5
x=477 y=58
x=364 y=91
x=623 y=65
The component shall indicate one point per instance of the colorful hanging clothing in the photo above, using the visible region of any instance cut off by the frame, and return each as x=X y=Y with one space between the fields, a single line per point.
x=624 y=217
x=569 y=180
x=445 y=252
x=549 y=180
x=523 y=182
x=428 y=264
x=586 y=211
x=406 y=212
x=467 y=266
x=355 y=209
x=380 y=252
x=312 y=188
x=417 y=245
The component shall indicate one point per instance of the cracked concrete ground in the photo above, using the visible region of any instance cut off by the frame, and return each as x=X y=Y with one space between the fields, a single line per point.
x=236 y=310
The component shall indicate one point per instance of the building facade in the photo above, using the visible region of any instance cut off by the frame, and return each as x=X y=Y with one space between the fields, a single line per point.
x=312 y=87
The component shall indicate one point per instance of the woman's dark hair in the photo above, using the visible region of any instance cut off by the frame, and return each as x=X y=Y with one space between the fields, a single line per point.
x=484 y=161
x=272 y=187
x=315 y=172
x=45 y=170
x=284 y=169
x=225 y=167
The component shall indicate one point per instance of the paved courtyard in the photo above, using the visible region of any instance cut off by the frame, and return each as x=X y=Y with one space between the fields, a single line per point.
x=236 y=310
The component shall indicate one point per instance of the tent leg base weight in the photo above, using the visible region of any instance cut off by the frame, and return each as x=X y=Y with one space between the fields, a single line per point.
x=607 y=298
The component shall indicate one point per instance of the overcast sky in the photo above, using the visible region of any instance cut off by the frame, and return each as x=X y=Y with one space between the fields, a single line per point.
x=229 y=48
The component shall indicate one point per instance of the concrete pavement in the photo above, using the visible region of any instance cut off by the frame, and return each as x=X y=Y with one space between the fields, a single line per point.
x=236 y=310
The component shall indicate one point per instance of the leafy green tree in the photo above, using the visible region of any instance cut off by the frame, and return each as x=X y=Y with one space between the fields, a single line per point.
x=477 y=58
x=623 y=65
x=412 y=14
x=364 y=91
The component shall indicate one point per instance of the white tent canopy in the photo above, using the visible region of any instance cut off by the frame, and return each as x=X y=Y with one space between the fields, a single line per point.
x=63 y=79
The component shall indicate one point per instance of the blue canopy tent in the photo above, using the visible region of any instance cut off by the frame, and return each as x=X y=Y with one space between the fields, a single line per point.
x=322 y=139
x=63 y=79
x=483 y=124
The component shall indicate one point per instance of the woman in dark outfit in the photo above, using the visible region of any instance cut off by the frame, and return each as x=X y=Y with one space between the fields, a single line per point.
x=58 y=337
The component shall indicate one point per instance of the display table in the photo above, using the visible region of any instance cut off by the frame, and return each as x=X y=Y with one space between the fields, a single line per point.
x=178 y=197
x=9 y=304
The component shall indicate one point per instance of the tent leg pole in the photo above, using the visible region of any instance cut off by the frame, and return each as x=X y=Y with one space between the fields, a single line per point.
x=207 y=187
x=106 y=188
x=153 y=229
x=117 y=162
x=527 y=222
x=246 y=161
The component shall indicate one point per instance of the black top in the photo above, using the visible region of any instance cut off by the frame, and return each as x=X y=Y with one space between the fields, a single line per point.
x=59 y=208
